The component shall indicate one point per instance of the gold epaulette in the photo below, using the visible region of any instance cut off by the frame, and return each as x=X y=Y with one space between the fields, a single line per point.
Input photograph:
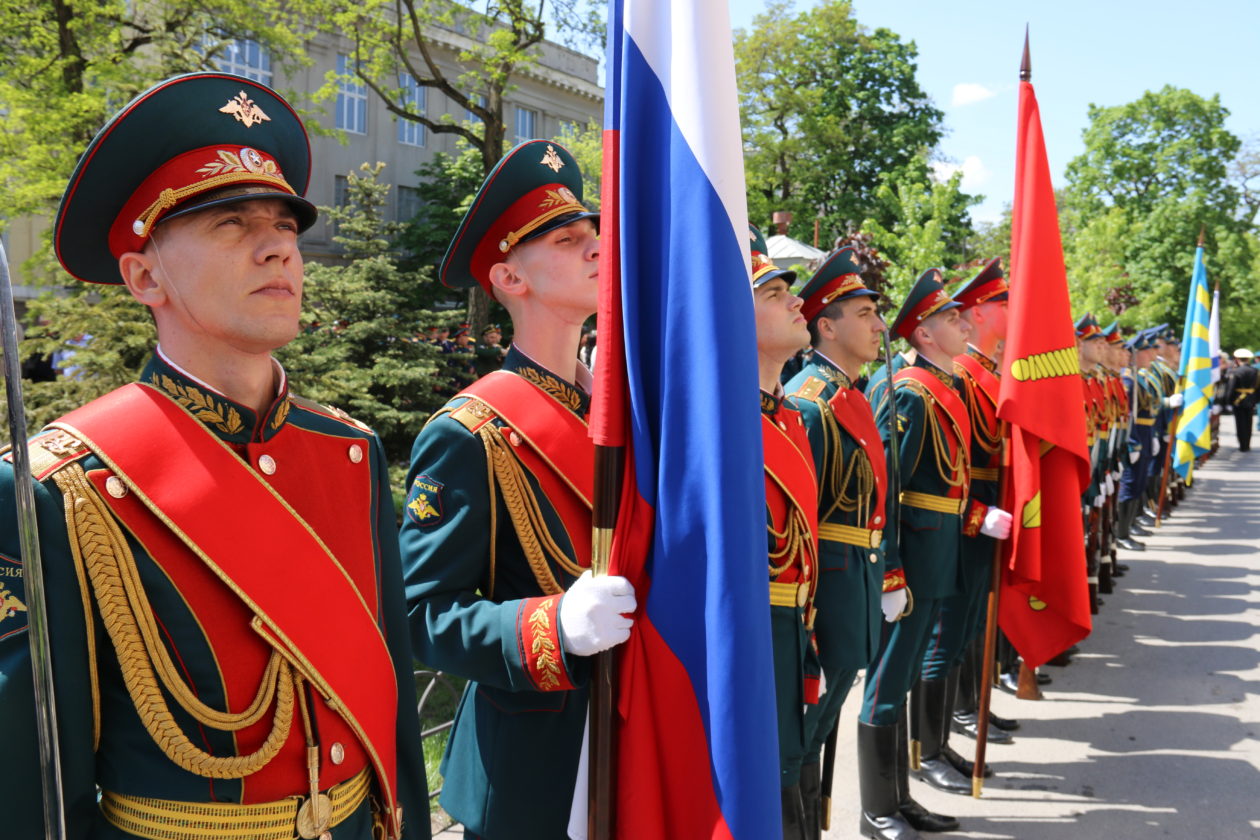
x=810 y=390
x=473 y=414
x=329 y=411
x=51 y=450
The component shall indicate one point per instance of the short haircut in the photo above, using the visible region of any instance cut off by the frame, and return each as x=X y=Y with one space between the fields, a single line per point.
x=831 y=310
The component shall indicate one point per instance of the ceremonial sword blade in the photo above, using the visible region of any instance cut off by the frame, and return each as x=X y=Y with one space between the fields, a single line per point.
x=32 y=568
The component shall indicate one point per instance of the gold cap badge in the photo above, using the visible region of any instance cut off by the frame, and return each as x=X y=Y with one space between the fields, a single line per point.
x=244 y=110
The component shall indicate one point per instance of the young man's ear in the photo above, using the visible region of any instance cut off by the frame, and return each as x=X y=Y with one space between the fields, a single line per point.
x=506 y=280
x=136 y=268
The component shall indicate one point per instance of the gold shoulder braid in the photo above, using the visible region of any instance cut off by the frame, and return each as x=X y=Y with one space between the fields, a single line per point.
x=852 y=484
x=98 y=543
x=536 y=541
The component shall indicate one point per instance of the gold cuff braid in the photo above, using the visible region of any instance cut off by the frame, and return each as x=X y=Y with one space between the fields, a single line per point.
x=99 y=544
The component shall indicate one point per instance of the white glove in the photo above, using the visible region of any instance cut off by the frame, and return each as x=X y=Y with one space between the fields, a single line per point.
x=997 y=524
x=1155 y=445
x=591 y=610
x=1216 y=410
x=1100 y=500
x=1134 y=455
x=1109 y=484
x=1117 y=474
x=893 y=604
x=1176 y=400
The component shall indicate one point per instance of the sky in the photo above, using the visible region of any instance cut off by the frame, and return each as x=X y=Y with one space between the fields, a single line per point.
x=1104 y=52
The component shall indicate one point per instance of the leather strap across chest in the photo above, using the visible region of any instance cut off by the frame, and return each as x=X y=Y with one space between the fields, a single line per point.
x=210 y=498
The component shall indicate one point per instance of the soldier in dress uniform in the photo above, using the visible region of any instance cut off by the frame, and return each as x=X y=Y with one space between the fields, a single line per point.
x=934 y=442
x=1164 y=375
x=490 y=352
x=496 y=536
x=983 y=306
x=1240 y=395
x=198 y=526
x=1114 y=357
x=791 y=525
x=1090 y=345
x=856 y=588
x=1141 y=450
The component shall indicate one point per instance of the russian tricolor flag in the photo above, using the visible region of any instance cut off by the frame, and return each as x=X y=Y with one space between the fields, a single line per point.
x=697 y=753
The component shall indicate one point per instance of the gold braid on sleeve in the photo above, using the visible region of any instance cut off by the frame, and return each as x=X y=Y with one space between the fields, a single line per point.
x=98 y=544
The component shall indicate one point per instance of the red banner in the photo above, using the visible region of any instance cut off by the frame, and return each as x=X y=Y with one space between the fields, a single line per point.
x=1045 y=595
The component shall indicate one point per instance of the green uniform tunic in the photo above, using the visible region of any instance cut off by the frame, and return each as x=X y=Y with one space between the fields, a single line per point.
x=851 y=577
x=930 y=541
x=484 y=606
x=203 y=626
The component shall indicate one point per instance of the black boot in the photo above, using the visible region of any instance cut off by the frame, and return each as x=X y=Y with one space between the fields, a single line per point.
x=793 y=813
x=811 y=796
x=956 y=686
x=914 y=813
x=933 y=767
x=877 y=778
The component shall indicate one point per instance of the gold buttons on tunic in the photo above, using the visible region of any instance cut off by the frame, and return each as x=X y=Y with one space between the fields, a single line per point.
x=514 y=438
x=356 y=453
x=327 y=835
x=783 y=425
x=802 y=595
x=874 y=557
x=337 y=753
x=876 y=520
x=267 y=464
x=114 y=486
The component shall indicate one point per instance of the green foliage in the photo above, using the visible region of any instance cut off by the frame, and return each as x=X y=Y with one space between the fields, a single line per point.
x=830 y=110
x=110 y=335
x=1170 y=143
x=361 y=347
x=587 y=145
x=448 y=183
x=929 y=230
x=67 y=65
x=1155 y=172
x=490 y=48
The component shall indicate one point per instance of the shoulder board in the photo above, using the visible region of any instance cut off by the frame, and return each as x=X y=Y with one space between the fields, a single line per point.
x=329 y=411
x=472 y=414
x=810 y=389
x=51 y=450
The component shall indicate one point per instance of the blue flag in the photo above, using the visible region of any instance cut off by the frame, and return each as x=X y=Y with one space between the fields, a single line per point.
x=1195 y=373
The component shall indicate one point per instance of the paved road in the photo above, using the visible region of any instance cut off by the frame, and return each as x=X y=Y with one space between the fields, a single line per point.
x=1154 y=730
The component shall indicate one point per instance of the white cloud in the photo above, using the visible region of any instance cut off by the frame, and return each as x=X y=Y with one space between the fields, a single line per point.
x=973 y=170
x=969 y=93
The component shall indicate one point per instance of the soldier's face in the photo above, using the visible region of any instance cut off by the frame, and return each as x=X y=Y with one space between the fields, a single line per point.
x=994 y=314
x=781 y=329
x=859 y=329
x=949 y=331
x=561 y=269
x=228 y=278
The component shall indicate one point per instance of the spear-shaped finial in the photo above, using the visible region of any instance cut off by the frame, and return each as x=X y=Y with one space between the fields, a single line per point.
x=1025 y=65
x=1202 y=230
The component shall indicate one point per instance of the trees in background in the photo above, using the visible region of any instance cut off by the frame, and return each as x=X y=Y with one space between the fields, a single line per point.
x=838 y=130
x=1156 y=171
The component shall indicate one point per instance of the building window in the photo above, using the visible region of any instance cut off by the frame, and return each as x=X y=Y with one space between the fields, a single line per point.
x=243 y=57
x=351 y=99
x=480 y=99
x=409 y=202
x=526 y=120
x=414 y=99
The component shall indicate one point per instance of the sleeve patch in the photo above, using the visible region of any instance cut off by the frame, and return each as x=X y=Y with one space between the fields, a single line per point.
x=12 y=608
x=424 y=501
